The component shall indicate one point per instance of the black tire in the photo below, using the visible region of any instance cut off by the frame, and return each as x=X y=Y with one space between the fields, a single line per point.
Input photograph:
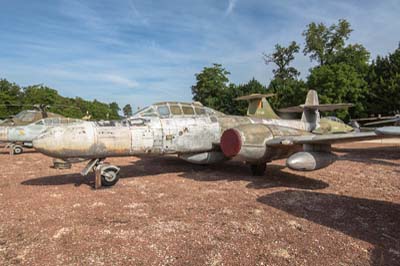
x=109 y=177
x=17 y=150
x=258 y=169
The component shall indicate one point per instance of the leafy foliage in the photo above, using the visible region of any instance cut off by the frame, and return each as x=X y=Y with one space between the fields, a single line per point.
x=289 y=91
x=212 y=84
x=15 y=98
x=384 y=83
x=343 y=74
x=282 y=57
x=339 y=83
x=322 y=42
x=212 y=90
x=240 y=107
x=127 y=110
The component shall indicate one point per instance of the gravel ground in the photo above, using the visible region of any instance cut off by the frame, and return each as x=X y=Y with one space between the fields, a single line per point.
x=168 y=212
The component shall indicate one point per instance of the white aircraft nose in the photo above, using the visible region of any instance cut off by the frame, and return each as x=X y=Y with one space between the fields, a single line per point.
x=46 y=142
x=70 y=141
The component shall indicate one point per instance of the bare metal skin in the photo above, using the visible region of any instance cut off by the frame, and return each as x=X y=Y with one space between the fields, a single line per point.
x=152 y=135
x=201 y=135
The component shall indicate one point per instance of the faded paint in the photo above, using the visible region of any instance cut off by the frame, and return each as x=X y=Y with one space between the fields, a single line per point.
x=150 y=132
x=193 y=132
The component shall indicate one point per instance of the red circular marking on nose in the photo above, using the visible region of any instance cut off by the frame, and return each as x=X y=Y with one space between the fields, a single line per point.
x=231 y=142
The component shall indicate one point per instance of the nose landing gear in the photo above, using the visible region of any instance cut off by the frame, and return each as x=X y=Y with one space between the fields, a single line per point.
x=105 y=174
x=15 y=149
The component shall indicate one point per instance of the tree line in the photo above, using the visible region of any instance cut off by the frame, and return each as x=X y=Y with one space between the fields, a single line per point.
x=340 y=73
x=14 y=98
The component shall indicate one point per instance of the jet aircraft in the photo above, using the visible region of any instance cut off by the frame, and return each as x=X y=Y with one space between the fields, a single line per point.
x=201 y=135
x=18 y=137
x=26 y=117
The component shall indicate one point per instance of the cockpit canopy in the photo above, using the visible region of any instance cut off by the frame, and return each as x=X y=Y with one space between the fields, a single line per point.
x=335 y=119
x=169 y=109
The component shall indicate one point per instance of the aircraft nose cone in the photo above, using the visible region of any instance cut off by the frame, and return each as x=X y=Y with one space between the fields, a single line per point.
x=3 y=133
x=47 y=142
x=70 y=141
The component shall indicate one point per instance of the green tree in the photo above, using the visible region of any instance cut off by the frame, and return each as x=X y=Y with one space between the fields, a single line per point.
x=211 y=83
x=339 y=83
x=13 y=99
x=322 y=42
x=384 y=83
x=282 y=57
x=289 y=92
x=10 y=93
x=233 y=107
x=127 y=110
x=285 y=84
x=114 y=109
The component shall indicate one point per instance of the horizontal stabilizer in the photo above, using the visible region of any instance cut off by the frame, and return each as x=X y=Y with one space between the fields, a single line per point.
x=319 y=107
x=254 y=96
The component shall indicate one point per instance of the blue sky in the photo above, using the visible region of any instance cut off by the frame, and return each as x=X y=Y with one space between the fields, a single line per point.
x=140 y=52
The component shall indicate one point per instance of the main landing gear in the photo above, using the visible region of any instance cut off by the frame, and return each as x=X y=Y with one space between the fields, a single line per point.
x=105 y=174
x=258 y=169
x=15 y=149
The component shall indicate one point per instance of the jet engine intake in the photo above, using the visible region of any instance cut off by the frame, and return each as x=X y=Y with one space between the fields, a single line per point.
x=246 y=142
x=310 y=160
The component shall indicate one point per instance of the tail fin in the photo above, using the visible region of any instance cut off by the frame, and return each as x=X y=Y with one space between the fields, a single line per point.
x=259 y=106
x=311 y=115
x=311 y=108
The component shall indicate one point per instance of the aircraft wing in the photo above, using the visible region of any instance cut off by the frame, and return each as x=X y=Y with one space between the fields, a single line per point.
x=320 y=107
x=385 y=132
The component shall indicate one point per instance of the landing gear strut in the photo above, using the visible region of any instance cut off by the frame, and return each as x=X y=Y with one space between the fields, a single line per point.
x=258 y=169
x=105 y=174
x=15 y=149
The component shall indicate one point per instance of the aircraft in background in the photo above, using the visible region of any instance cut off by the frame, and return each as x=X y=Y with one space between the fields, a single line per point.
x=201 y=135
x=26 y=117
x=372 y=122
x=18 y=137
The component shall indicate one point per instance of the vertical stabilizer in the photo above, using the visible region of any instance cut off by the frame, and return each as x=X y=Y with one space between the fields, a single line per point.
x=259 y=106
x=311 y=115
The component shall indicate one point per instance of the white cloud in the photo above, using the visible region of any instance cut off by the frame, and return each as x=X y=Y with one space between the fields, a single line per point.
x=231 y=6
x=119 y=81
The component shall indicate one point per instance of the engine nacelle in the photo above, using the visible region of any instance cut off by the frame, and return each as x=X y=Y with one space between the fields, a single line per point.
x=246 y=142
x=309 y=161
x=203 y=157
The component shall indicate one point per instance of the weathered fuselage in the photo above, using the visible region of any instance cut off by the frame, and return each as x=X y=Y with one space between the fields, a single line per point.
x=194 y=135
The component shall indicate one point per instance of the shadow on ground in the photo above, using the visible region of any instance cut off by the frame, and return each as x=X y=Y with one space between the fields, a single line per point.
x=230 y=171
x=375 y=155
x=376 y=222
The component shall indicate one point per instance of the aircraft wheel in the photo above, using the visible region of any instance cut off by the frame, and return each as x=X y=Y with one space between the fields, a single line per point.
x=17 y=149
x=109 y=175
x=258 y=169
